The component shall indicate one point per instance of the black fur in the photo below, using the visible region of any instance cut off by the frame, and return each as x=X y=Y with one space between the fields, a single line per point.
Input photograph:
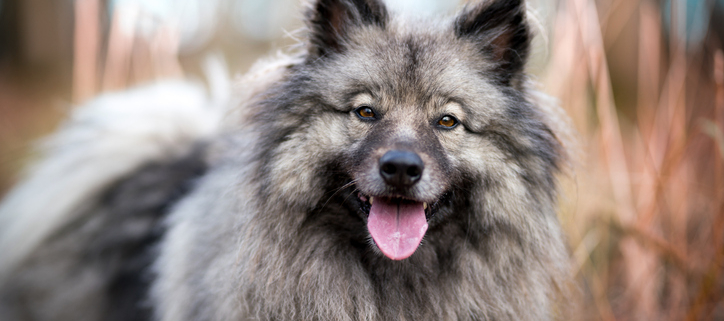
x=138 y=204
x=501 y=31
x=114 y=247
x=330 y=21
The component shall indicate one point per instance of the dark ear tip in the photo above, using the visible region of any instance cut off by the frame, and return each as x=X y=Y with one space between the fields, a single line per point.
x=500 y=30
x=487 y=15
x=330 y=21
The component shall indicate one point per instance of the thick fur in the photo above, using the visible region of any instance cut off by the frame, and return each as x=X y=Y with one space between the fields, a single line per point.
x=275 y=227
x=94 y=198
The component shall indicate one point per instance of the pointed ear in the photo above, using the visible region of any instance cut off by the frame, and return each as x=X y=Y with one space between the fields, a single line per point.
x=500 y=30
x=331 y=21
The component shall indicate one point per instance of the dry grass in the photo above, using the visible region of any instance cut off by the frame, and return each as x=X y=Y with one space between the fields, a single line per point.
x=645 y=211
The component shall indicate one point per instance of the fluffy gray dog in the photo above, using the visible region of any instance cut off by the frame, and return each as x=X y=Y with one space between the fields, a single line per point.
x=392 y=170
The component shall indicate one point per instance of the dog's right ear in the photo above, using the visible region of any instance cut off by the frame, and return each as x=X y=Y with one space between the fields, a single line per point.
x=331 y=21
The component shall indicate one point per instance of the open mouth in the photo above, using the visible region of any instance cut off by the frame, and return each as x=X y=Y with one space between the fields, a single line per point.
x=397 y=225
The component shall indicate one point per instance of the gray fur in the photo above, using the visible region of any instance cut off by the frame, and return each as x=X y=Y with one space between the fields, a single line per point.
x=50 y=221
x=275 y=229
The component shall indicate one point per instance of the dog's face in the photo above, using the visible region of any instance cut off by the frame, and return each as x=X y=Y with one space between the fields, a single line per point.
x=413 y=115
x=411 y=111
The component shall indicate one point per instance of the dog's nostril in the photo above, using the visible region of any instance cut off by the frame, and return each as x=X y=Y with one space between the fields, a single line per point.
x=413 y=171
x=401 y=168
x=389 y=169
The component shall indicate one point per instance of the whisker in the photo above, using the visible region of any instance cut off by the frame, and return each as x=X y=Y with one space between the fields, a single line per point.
x=353 y=191
x=336 y=191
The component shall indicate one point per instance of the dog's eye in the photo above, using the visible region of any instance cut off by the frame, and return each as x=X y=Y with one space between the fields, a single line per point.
x=447 y=122
x=365 y=112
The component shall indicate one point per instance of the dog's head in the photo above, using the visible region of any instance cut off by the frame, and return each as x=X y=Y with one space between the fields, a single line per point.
x=410 y=111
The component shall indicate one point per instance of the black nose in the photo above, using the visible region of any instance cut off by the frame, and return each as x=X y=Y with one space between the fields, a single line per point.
x=401 y=168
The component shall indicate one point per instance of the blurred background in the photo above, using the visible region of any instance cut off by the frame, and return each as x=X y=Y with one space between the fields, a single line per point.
x=642 y=81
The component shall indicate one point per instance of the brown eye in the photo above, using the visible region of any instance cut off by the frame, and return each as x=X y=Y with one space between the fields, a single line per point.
x=365 y=112
x=447 y=122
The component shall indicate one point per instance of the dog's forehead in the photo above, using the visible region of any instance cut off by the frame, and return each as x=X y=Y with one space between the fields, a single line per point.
x=418 y=63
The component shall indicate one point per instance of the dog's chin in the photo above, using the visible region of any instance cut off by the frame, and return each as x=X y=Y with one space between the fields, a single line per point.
x=397 y=224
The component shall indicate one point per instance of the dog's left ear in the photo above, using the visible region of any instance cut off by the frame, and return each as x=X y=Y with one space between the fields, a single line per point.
x=500 y=29
x=331 y=21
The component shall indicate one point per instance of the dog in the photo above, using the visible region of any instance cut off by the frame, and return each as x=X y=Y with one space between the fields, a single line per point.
x=391 y=169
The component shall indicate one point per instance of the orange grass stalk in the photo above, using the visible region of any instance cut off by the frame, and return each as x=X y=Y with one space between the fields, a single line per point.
x=640 y=265
x=86 y=49
x=120 y=47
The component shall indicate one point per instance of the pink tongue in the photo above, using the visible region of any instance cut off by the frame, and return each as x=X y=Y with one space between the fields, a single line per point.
x=397 y=227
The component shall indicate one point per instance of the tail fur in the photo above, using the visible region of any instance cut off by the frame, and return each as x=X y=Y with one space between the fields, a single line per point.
x=104 y=141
